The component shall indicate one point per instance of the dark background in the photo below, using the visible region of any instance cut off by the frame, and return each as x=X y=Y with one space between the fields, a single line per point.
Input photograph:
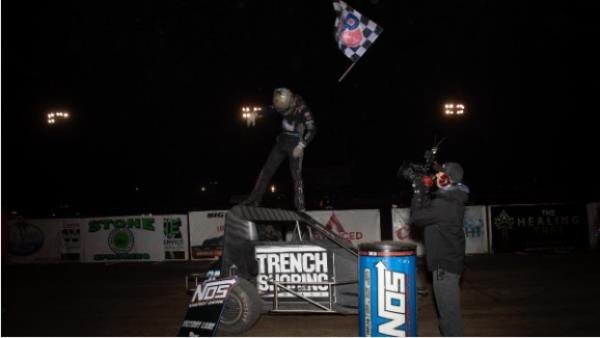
x=155 y=90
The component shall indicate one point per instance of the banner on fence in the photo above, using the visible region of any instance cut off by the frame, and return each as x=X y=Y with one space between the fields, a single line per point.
x=356 y=226
x=129 y=238
x=538 y=227
x=593 y=214
x=206 y=233
x=403 y=231
x=476 y=234
x=70 y=240
x=34 y=240
x=175 y=239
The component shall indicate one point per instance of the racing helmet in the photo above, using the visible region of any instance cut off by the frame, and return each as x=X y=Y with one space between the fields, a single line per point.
x=282 y=99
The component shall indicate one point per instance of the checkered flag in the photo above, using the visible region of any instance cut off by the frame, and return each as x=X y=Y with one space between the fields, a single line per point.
x=354 y=32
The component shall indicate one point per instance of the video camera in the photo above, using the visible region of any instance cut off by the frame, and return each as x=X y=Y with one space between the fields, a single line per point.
x=421 y=175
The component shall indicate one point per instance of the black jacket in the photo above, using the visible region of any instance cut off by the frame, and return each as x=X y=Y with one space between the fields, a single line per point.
x=443 y=218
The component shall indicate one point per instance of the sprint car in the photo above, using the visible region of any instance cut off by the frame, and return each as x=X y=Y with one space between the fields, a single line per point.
x=286 y=262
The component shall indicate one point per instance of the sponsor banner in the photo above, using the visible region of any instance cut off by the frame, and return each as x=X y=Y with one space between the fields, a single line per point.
x=175 y=240
x=476 y=233
x=206 y=233
x=70 y=240
x=294 y=263
x=34 y=240
x=536 y=227
x=404 y=232
x=356 y=226
x=205 y=308
x=5 y=234
x=129 y=238
x=593 y=213
x=474 y=224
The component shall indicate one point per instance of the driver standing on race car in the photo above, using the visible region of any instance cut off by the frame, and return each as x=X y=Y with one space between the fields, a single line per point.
x=298 y=130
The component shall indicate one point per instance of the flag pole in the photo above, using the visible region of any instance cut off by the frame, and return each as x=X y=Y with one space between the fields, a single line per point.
x=347 y=71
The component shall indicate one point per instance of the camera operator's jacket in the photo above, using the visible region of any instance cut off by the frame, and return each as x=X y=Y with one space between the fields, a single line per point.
x=443 y=218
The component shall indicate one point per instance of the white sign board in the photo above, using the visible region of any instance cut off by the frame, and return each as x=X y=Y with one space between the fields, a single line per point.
x=206 y=232
x=401 y=229
x=129 y=238
x=175 y=239
x=356 y=226
x=476 y=232
x=34 y=240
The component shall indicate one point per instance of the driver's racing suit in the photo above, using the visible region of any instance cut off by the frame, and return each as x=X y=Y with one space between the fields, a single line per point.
x=298 y=127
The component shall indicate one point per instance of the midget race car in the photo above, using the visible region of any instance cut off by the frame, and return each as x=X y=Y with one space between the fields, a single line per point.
x=285 y=262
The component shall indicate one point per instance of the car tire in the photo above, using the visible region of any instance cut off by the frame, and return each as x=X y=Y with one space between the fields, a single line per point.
x=242 y=308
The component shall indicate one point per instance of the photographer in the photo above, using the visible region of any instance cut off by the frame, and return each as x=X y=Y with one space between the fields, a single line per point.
x=442 y=217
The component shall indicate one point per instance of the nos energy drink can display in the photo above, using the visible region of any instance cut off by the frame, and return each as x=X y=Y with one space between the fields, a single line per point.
x=387 y=289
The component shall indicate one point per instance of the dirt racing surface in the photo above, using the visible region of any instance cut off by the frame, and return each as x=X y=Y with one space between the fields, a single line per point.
x=503 y=295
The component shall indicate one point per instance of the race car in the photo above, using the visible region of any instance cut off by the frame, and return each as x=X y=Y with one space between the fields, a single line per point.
x=285 y=261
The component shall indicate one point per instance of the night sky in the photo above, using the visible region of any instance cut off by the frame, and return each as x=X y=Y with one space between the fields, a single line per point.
x=155 y=90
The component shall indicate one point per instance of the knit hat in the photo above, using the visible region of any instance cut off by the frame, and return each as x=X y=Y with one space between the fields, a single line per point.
x=454 y=171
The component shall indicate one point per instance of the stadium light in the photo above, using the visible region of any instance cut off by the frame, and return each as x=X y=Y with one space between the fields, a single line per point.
x=55 y=117
x=454 y=109
x=250 y=114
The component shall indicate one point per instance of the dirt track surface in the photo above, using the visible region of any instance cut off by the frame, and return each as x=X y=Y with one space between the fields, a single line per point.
x=503 y=295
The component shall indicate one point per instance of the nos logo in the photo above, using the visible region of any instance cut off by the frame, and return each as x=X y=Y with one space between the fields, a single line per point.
x=212 y=290
x=391 y=301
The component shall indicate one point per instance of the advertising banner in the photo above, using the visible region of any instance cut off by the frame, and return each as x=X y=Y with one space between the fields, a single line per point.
x=356 y=226
x=403 y=231
x=593 y=213
x=474 y=224
x=70 y=240
x=34 y=240
x=129 y=238
x=476 y=233
x=206 y=233
x=538 y=227
x=175 y=236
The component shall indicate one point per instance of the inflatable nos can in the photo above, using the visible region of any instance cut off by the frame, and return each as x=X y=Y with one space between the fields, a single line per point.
x=387 y=289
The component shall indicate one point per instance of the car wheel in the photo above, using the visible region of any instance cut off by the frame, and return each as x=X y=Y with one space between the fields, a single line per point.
x=241 y=309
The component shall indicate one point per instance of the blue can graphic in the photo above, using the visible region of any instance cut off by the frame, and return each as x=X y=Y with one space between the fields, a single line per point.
x=387 y=289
